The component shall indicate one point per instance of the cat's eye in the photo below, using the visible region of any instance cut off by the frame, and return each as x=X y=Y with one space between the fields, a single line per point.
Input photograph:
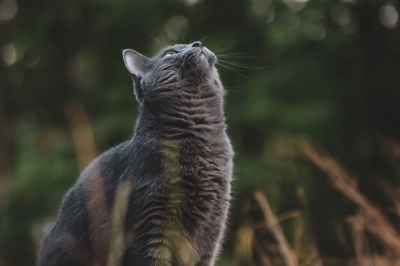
x=169 y=53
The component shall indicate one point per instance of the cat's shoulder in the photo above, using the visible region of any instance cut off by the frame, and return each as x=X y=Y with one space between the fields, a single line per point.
x=106 y=163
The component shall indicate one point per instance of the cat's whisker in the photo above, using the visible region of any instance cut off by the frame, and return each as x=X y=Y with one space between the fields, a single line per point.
x=237 y=56
x=229 y=54
x=230 y=68
x=226 y=49
x=156 y=39
x=205 y=38
x=185 y=58
x=218 y=51
x=242 y=56
x=242 y=66
x=234 y=90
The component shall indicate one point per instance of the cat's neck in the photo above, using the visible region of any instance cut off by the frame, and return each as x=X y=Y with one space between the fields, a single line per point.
x=201 y=117
x=180 y=124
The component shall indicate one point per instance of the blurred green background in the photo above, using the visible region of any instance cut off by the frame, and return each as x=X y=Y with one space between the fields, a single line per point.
x=322 y=71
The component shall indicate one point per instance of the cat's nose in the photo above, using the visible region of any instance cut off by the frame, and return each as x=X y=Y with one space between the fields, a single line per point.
x=197 y=44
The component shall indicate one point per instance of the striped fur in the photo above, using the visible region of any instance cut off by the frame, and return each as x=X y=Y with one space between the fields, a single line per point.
x=162 y=197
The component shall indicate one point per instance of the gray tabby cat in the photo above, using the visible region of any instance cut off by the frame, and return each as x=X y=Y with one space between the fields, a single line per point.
x=162 y=197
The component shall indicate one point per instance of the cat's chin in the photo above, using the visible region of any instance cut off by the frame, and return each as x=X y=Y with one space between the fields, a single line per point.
x=207 y=61
x=203 y=58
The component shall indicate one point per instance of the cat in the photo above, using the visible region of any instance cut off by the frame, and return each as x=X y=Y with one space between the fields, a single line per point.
x=162 y=197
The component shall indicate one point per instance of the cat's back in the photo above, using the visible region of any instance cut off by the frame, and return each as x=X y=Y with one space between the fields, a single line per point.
x=81 y=230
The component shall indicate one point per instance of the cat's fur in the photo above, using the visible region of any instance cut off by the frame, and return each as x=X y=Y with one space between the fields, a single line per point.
x=162 y=197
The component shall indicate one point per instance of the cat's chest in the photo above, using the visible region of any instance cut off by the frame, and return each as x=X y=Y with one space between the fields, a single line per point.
x=194 y=168
x=197 y=186
x=193 y=176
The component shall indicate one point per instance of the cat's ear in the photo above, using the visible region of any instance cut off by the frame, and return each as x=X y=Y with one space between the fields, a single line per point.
x=135 y=62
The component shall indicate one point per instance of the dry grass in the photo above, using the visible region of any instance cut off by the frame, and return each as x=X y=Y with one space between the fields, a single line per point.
x=375 y=222
x=82 y=134
x=271 y=221
x=268 y=244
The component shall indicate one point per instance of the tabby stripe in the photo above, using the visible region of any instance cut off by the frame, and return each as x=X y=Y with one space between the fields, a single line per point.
x=98 y=214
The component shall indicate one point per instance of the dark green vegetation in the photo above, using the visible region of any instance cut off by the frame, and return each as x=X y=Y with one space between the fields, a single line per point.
x=325 y=71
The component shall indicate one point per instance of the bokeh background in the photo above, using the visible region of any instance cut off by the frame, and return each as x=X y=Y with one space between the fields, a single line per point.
x=312 y=107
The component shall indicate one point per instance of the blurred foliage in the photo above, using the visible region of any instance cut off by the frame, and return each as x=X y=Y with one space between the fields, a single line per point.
x=326 y=71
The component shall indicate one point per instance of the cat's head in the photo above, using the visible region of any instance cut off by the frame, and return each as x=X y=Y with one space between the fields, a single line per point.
x=180 y=66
